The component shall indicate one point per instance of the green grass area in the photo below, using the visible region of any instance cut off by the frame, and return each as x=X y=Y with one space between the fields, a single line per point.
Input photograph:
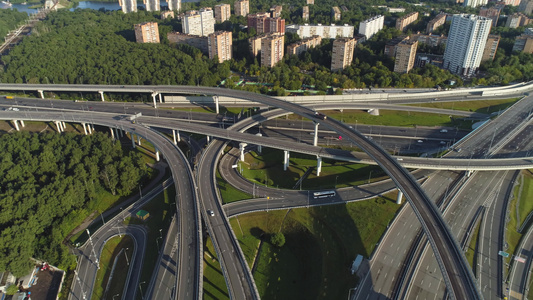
x=161 y=210
x=228 y=192
x=471 y=251
x=267 y=169
x=526 y=195
x=214 y=283
x=481 y=106
x=105 y=288
x=321 y=244
x=512 y=235
x=228 y=111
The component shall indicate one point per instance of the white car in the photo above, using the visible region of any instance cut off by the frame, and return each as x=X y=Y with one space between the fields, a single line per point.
x=211 y=213
x=420 y=141
x=443 y=130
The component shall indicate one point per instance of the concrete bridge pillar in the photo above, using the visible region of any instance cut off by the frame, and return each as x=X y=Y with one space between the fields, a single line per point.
x=112 y=133
x=84 y=128
x=102 y=95
x=469 y=172
x=132 y=140
x=22 y=123
x=58 y=126
x=121 y=132
x=176 y=135
x=16 y=125
x=160 y=98
x=138 y=140
x=90 y=129
x=315 y=137
x=259 y=147
x=156 y=154
x=318 y=165
x=216 y=104
x=153 y=97
x=241 y=149
x=208 y=139
x=285 y=160
x=399 y=197
x=41 y=93
x=64 y=125
x=117 y=134
x=374 y=111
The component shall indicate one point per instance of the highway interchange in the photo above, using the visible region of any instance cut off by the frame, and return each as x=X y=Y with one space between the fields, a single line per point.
x=461 y=282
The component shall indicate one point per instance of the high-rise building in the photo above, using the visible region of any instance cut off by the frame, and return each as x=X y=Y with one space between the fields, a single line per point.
x=432 y=40
x=493 y=13
x=242 y=8
x=147 y=32
x=405 y=56
x=272 y=50
x=199 y=23
x=526 y=6
x=265 y=24
x=342 y=54
x=276 y=25
x=475 y=3
x=516 y=20
x=335 y=13
x=438 y=21
x=152 y=5
x=524 y=43
x=402 y=22
x=512 y=2
x=304 y=45
x=392 y=45
x=174 y=5
x=490 y=47
x=326 y=32
x=222 y=12
x=276 y=11
x=128 y=5
x=466 y=42
x=305 y=13
x=219 y=44
x=310 y=2
x=371 y=26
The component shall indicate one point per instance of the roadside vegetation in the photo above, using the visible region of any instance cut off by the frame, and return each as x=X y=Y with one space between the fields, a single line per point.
x=471 y=251
x=9 y=19
x=214 y=284
x=480 y=106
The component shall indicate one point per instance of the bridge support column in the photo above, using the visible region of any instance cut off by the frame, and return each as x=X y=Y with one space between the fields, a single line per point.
x=117 y=134
x=469 y=172
x=241 y=149
x=102 y=95
x=315 y=137
x=121 y=132
x=89 y=128
x=216 y=104
x=153 y=97
x=374 y=111
x=259 y=147
x=112 y=133
x=132 y=140
x=22 y=123
x=58 y=127
x=208 y=139
x=16 y=125
x=64 y=125
x=156 y=154
x=318 y=165
x=84 y=128
x=41 y=93
x=285 y=160
x=138 y=140
x=176 y=137
x=160 y=98
x=399 y=197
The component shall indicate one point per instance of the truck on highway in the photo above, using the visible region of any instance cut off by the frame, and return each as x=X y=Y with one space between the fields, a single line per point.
x=10 y=97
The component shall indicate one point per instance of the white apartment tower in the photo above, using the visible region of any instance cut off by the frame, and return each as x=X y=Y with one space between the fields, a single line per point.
x=152 y=5
x=199 y=23
x=475 y=3
x=174 y=5
x=371 y=26
x=466 y=42
x=128 y=5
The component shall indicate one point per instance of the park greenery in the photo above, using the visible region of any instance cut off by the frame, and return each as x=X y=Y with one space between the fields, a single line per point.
x=50 y=182
x=9 y=19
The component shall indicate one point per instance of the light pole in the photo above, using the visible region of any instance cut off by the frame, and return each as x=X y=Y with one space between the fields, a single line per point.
x=126 y=255
x=142 y=297
x=92 y=248
x=370 y=175
x=336 y=181
x=115 y=296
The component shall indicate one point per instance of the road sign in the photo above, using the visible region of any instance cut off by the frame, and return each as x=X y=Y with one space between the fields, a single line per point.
x=503 y=253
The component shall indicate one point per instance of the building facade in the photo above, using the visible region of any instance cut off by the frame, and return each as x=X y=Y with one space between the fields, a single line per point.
x=128 y=6
x=490 y=47
x=436 y=22
x=152 y=5
x=405 y=56
x=526 y=6
x=524 y=43
x=147 y=32
x=219 y=45
x=174 y=5
x=263 y=23
x=432 y=40
x=325 y=32
x=222 y=12
x=304 y=45
x=466 y=42
x=335 y=13
x=371 y=26
x=474 y=3
x=242 y=8
x=493 y=13
x=342 y=54
x=276 y=11
x=167 y=14
x=310 y=2
x=272 y=50
x=196 y=41
x=391 y=45
x=305 y=13
x=200 y=23
x=402 y=22
x=516 y=20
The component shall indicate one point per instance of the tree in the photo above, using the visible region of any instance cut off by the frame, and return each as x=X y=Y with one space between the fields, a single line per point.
x=12 y=289
x=277 y=239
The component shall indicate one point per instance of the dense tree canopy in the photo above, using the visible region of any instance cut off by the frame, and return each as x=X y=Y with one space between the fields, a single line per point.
x=46 y=181
x=9 y=19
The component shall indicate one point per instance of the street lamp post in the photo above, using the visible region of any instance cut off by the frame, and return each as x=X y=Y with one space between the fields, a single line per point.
x=336 y=180
x=115 y=296
x=140 y=288
x=370 y=175
x=92 y=248
x=126 y=255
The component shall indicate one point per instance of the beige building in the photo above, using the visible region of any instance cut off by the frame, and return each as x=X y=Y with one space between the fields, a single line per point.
x=438 y=21
x=526 y=6
x=167 y=14
x=326 y=32
x=492 y=13
x=255 y=42
x=524 y=43
x=491 y=47
x=335 y=13
x=305 y=13
x=276 y=11
x=147 y=32
x=219 y=44
x=222 y=12
x=174 y=5
x=405 y=56
x=402 y=22
x=242 y=8
x=199 y=22
x=342 y=55
x=272 y=50
x=196 y=41
x=263 y=23
x=310 y=2
x=432 y=40
x=304 y=45
x=152 y=5
x=392 y=45
x=517 y=20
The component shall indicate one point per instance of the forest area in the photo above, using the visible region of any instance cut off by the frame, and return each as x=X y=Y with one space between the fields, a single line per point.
x=49 y=183
x=9 y=19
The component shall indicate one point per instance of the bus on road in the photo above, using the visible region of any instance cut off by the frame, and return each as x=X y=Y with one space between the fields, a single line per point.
x=324 y=194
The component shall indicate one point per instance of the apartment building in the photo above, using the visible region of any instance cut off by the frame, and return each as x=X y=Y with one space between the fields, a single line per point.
x=304 y=45
x=516 y=20
x=391 y=45
x=167 y=14
x=335 y=13
x=147 y=32
x=432 y=40
x=402 y=22
x=310 y=2
x=276 y=11
x=152 y=5
x=405 y=56
x=174 y=5
x=371 y=26
x=436 y=22
x=474 y=3
x=325 y=32
x=524 y=43
x=305 y=13
x=242 y=8
x=526 y=6
x=272 y=50
x=493 y=13
x=219 y=45
x=128 y=6
x=342 y=54
x=222 y=12
x=200 y=23
x=263 y=23
x=490 y=47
